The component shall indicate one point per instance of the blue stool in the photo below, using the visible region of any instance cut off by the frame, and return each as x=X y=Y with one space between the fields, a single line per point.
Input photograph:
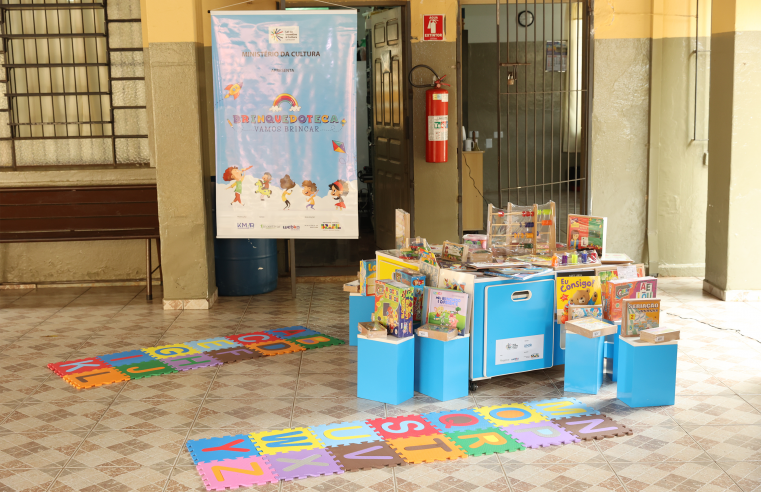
x=616 y=348
x=646 y=372
x=361 y=309
x=583 y=363
x=386 y=369
x=441 y=368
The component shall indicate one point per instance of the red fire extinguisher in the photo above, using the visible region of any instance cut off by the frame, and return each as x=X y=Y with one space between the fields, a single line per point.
x=437 y=118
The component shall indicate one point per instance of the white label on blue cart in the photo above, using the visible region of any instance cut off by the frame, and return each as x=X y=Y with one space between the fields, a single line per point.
x=519 y=349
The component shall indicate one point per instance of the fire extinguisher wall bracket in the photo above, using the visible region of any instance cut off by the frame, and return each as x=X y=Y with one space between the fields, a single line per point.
x=437 y=117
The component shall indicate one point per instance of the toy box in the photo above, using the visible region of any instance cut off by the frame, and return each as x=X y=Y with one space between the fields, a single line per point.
x=393 y=307
x=438 y=332
x=446 y=307
x=586 y=232
x=618 y=290
x=416 y=280
x=659 y=335
x=638 y=315
x=372 y=329
x=367 y=270
x=581 y=288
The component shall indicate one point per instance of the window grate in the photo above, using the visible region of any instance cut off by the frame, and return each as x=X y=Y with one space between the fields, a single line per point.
x=61 y=101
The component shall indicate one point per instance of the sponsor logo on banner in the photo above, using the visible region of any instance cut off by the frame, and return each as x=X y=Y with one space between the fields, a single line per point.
x=292 y=227
x=270 y=226
x=245 y=225
x=284 y=34
x=331 y=225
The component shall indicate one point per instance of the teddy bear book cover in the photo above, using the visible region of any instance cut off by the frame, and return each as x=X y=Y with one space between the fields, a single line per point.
x=579 y=288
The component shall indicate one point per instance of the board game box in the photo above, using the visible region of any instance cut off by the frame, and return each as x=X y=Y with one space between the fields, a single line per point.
x=446 y=307
x=590 y=327
x=393 y=307
x=638 y=315
x=416 y=280
x=618 y=290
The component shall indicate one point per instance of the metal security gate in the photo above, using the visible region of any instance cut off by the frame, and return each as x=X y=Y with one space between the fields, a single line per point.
x=543 y=103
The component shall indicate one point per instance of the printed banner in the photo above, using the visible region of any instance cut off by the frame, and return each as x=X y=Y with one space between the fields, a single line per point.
x=284 y=114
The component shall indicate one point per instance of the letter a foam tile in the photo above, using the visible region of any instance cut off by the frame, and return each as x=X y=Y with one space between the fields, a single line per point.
x=426 y=449
x=221 y=448
x=404 y=426
x=285 y=440
x=317 y=341
x=511 y=414
x=540 y=434
x=99 y=377
x=303 y=464
x=458 y=420
x=484 y=441
x=593 y=427
x=240 y=472
x=366 y=456
x=345 y=433
x=558 y=408
x=146 y=369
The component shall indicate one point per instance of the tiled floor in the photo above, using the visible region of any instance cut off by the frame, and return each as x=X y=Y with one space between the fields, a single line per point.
x=131 y=436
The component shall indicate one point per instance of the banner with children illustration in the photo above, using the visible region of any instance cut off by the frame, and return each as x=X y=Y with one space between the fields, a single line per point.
x=284 y=114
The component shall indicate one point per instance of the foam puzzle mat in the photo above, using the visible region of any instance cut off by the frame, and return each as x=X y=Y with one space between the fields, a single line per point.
x=265 y=457
x=168 y=359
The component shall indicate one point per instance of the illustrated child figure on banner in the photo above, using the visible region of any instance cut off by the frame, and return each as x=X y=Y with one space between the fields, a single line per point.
x=309 y=190
x=263 y=186
x=235 y=174
x=338 y=190
x=287 y=185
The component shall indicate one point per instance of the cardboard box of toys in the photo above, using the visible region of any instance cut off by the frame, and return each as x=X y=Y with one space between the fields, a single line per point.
x=659 y=335
x=393 y=307
x=618 y=290
x=372 y=329
x=439 y=332
x=638 y=315
x=590 y=327
x=416 y=280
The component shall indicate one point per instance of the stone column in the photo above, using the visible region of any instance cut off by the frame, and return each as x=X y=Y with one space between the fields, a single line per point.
x=733 y=235
x=174 y=69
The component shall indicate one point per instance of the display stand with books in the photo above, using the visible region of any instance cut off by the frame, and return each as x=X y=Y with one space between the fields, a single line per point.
x=646 y=372
x=386 y=369
x=584 y=350
x=361 y=309
x=441 y=367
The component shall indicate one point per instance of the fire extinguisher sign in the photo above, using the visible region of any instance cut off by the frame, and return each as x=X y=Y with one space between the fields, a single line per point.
x=433 y=27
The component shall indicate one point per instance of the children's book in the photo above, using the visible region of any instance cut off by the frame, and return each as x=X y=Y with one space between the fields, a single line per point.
x=445 y=307
x=638 y=315
x=578 y=312
x=393 y=307
x=454 y=252
x=579 y=288
x=367 y=277
x=416 y=280
x=587 y=232
x=618 y=290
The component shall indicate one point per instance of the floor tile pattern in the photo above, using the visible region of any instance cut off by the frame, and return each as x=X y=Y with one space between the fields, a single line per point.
x=54 y=437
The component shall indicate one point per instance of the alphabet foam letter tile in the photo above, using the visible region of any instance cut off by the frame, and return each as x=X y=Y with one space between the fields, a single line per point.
x=404 y=426
x=146 y=369
x=366 y=456
x=345 y=433
x=317 y=341
x=278 y=347
x=303 y=464
x=99 y=377
x=221 y=448
x=128 y=357
x=557 y=408
x=167 y=351
x=194 y=361
x=253 y=338
x=69 y=367
x=234 y=354
x=511 y=414
x=458 y=420
x=593 y=427
x=209 y=344
x=540 y=434
x=240 y=472
x=426 y=449
x=485 y=441
x=285 y=440
x=294 y=332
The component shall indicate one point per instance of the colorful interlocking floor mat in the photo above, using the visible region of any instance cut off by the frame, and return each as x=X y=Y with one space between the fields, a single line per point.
x=267 y=457
x=166 y=359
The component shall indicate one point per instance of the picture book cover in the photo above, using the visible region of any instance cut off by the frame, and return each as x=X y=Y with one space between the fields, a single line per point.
x=578 y=312
x=587 y=232
x=618 y=290
x=462 y=281
x=579 y=288
x=640 y=314
x=416 y=280
x=446 y=308
x=393 y=307
x=367 y=277
x=454 y=252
